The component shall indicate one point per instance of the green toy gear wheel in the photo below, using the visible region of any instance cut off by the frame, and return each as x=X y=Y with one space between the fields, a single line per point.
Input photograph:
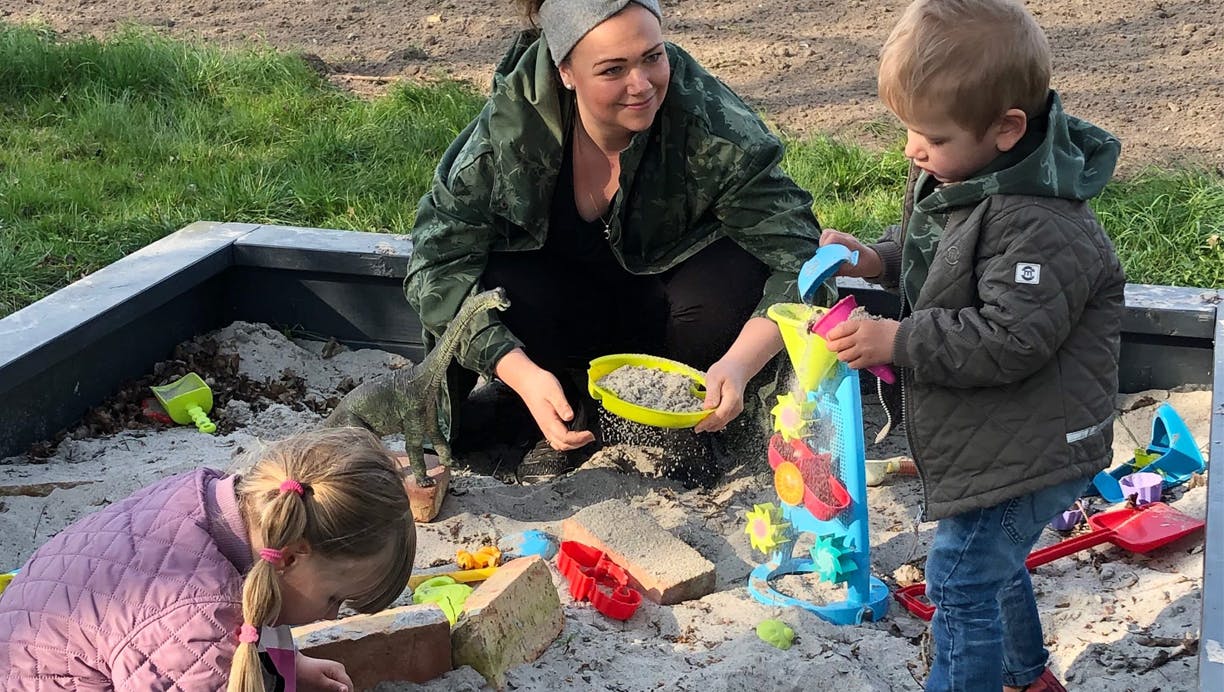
x=833 y=558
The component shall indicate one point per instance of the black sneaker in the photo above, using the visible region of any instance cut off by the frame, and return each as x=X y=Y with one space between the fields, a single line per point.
x=543 y=463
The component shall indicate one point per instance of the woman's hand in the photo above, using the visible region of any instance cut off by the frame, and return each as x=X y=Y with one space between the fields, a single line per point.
x=321 y=675
x=540 y=390
x=725 y=382
x=864 y=343
x=758 y=341
x=869 y=264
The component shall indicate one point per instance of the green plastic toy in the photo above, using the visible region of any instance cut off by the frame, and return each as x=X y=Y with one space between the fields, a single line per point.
x=776 y=633
x=446 y=592
x=188 y=400
x=5 y=578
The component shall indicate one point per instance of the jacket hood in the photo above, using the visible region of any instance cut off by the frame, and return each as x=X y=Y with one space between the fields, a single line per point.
x=526 y=72
x=1068 y=158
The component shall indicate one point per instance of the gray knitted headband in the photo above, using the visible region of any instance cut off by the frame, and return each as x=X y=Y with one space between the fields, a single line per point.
x=565 y=22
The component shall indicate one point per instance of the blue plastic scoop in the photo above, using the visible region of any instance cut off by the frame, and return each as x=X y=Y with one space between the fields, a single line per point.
x=1178 y=457
x=820 y=267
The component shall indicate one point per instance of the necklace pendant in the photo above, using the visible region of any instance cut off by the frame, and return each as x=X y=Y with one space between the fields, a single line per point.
x=607 y=231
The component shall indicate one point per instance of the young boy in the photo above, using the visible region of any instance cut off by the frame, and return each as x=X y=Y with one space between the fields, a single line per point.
x=1008 y=339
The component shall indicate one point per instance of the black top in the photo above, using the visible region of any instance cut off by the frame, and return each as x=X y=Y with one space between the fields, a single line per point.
x=571 y=237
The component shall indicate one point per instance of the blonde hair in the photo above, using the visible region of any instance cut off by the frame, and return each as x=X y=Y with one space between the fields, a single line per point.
x=353 y=505
x=970 y=60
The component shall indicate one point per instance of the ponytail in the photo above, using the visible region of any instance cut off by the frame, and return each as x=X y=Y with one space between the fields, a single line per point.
x=338 y=491
x=282 y=522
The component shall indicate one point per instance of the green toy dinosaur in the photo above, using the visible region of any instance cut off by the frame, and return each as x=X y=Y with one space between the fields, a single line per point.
x=407 y=400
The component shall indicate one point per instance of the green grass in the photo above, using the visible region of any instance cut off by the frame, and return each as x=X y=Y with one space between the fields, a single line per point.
x=1166 y=225
x=106 y=146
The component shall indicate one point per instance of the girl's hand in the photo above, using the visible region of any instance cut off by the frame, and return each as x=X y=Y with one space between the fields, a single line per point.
x=541 y=391
x=864 y=343
x=321 y=675
x=725 y=382
x=869 y=264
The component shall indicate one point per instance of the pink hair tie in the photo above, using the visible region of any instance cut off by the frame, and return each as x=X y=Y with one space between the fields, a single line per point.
x=248 y=634
x=272 y=555
x=291 y=486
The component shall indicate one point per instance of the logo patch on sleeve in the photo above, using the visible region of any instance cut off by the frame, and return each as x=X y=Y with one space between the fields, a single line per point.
x=1028 y=273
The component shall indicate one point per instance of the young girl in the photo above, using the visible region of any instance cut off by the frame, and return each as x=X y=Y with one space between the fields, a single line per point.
x=190 y=583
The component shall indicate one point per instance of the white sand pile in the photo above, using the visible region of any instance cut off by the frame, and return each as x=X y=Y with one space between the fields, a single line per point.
x=1113 y=620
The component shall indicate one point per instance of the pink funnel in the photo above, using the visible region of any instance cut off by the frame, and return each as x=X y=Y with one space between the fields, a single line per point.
x=839 y=313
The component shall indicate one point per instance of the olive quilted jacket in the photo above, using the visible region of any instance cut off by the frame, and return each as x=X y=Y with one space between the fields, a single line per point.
x=1012 y=297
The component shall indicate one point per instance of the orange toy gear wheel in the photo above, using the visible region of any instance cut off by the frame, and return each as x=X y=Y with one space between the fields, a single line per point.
x=788 y=481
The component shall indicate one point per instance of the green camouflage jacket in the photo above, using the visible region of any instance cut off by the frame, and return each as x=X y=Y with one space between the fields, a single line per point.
x=706 y=169
x=1012 y=304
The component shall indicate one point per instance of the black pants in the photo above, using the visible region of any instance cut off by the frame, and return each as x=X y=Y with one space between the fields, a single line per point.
x=567 y=313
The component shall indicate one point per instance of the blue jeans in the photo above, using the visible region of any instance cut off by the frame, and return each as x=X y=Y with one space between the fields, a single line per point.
x=983 y=598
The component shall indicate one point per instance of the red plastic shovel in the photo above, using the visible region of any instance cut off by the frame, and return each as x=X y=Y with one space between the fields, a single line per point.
x=1138 y=529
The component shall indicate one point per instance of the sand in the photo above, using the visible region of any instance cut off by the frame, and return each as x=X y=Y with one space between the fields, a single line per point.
x=1113 y=620
x=652 y=388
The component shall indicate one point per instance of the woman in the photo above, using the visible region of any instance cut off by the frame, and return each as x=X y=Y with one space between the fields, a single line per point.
x=627 y=201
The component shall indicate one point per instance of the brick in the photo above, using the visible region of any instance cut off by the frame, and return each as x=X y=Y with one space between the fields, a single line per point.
x=509 y=620
x=407 y=644
x=426 y=503
x=666 y=569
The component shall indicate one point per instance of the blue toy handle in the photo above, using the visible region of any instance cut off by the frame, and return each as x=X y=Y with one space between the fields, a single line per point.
x=824 y=264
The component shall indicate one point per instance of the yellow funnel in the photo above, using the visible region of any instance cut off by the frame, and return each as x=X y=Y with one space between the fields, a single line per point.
x=808 y=353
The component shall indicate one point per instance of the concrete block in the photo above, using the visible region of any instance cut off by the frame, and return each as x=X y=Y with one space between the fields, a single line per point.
x=407 y=644
x=666 y=569
x=509 y=620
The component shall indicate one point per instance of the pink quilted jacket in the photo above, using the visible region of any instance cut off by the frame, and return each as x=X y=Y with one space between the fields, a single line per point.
x=143 y=595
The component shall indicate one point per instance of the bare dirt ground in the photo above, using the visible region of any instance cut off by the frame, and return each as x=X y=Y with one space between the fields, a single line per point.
x=1148 y=70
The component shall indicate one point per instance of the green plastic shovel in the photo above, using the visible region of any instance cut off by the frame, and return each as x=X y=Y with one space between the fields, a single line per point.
x=187 y=400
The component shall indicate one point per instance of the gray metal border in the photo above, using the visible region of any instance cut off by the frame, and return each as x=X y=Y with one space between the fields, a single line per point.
x=71 y=350
x=1211 y=625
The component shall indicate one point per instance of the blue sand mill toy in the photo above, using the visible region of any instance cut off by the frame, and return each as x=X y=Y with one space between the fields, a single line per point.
x=817 y=455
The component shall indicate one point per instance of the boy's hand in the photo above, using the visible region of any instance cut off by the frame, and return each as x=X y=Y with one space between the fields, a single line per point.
x=869 y=265
x=321 y=675
x=864 y=343
x=725 y=382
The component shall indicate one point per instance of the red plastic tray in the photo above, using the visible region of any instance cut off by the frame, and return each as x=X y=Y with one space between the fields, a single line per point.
x=802 y=456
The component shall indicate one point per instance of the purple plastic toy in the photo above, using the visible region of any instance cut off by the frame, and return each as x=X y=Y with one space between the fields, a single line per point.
x=840 y=312
x=1144 y=486
x=1067 y=520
